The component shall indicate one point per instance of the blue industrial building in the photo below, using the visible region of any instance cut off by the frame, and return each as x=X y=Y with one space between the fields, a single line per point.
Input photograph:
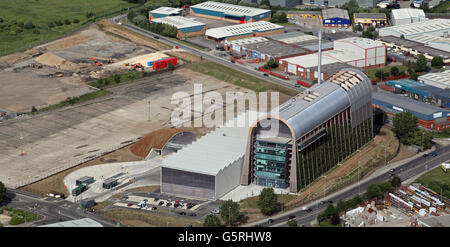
x=163 y=12
x=229 y=12
x=335 y=18
x=422 y=92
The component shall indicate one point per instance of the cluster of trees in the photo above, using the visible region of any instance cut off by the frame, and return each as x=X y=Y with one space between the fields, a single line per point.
x=229 y=215
x=271 y=64
x=407 y=131
x=279 y=17
x=437 y=62
x=159 y=28
x=60 y=23
x=370 y=33
x=373 y=191
x=2 y=192
x=330 y=213
x=14 y=27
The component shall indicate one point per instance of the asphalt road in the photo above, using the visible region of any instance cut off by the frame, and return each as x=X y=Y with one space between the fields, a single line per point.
x=50 y=210
x=207 y=55
x=405 y=171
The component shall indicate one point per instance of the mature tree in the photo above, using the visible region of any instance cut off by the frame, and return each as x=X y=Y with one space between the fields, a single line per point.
x=341 y=206
x=265 y=2
x=421 y=63
x=355 y=201
x=405 y=125
x=272 y=63
x=386 y=187
x=396 y=181
x=2 y=192
x=279 y=17
x=373 y=191
x=229 y=212
x=437 y=62
x=330 y=210
x=212 y=221
x=335 y=219
x=413 y=76
x=394 y=71
x=140 y=20
x=67 y=22
x=292 y=223
x=379 y=74
x=267 y=201
x=28 y=25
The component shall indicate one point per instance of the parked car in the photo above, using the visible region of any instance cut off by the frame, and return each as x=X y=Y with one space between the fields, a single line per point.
x=292 y=217
x=129 y=204
x=156 y=37
x=322 y=202
x=160 y=203
x=156 y=199
x=154 y=208
x=176 y=205
x=330 y=201
x=265 y=74
x=168 y=204
x=392 y=170
x=182 y=213
x=215 y=211
x=425 y=155
x=189 y=207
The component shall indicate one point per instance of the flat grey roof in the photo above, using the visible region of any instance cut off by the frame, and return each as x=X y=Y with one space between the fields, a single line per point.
x=406 y=103
x=85 y=222
x=313 y=45
x=274 y=48
x=433 y=51
x=396 y=40
x=85 y=178
x=370 y=15
x=436 y=221
x=333 y=68
x=335 y=13
x=286 y=35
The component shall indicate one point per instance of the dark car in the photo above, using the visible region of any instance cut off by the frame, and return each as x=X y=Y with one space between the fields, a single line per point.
x=270 y=221
x=322 y=202
x=434 y=154
x=176 y=205
x=291 y=217
x=189 y=206
x=182 y=213
x=156 y=199
x=160 y=203
x=192 y=214
x=154 y=208
x=330 y=201
x=309 y=210
x=156 y=37
x=168 y=204
x=265 y=74
x=425 y=155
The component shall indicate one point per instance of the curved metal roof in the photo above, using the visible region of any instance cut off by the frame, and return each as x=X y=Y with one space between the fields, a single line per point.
x=347 y=88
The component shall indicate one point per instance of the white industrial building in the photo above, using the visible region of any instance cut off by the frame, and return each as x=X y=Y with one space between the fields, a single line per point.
x=407 y=16
x=85 y=222
x=211 y=166
x=440 y=80
x=163 y=12
x=435 y=27
x=358 y=52
x=259 y=28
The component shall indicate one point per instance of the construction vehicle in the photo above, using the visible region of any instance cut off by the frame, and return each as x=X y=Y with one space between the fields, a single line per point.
x=136 y=66
x=110 y=60
x=96 y=62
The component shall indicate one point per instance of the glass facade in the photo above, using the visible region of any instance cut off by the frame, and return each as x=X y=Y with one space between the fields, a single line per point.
x=270 y=163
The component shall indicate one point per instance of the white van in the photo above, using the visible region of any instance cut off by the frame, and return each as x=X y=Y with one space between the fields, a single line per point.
x=142 y=204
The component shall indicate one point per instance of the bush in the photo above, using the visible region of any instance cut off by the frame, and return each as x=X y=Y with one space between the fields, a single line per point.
x=117 y=78
x=89 y=14
x=395 y=71
x=212 y=221
x=67 y=22
x=75 y=21
x=58 y=23
x=51 y=25
x=437 y=62
x=35 y=31
x=33 y=109
x=28 y=25
x=15 y=220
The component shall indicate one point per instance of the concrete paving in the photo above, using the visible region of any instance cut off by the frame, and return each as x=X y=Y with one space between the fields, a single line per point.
x=242 y=192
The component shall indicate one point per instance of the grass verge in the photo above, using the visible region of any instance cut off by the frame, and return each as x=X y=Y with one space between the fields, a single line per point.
x=371 y=72
x=19 y=216
x=435 y=180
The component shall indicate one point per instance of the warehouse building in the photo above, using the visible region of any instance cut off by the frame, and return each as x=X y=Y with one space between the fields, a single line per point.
x=229 y=12
x=316 y=130
x=335 y=18
x=440 y=80
x=263 y=49
x=407 y=16
x=370 y=19
x=302 y=40
x=430 y=117
x=421 y=92
x=186 y=27
x=281 y=3
x=302 y=14
x=210 y=167
x=163 y=12
x=335 y=3
x=247 y=30
x=357 y=52
x=435 y=27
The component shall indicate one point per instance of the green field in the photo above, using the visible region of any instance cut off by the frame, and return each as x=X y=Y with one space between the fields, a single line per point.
x=14 y=14
x=435 y=180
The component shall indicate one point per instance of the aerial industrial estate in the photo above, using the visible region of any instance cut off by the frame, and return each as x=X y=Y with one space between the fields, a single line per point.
x=226 y=113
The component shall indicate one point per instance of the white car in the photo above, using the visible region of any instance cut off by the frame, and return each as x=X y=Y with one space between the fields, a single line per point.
x=120 y=23
x=215 y=211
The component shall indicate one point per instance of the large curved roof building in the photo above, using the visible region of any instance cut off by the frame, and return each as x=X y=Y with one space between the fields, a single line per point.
x=311 y=133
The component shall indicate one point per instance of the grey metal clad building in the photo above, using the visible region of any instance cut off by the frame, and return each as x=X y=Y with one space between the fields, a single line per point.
x=317 y=130
x=281 y=3
x=208 y=168
x=271 y=49
x=436 y=27
x=407 y=16
x=435 y=221
x=335 y=3
x=440 y=80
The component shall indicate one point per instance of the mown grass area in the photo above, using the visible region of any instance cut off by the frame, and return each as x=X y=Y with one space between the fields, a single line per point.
x=239 y=78
x=441 y=134
x=19 y=216
x=435 y=180
x=371 y=72
x=71 y=101
x=441 y=8
x=153 y=219
x=14 y=37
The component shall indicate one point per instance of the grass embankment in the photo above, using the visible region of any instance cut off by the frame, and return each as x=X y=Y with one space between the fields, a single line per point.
x=327 y=223
x=371 y=72
x=239 y=78
x=435 y=180
x=441 y=8
x=15 y=37
x=19 y=216
x=149 y=219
